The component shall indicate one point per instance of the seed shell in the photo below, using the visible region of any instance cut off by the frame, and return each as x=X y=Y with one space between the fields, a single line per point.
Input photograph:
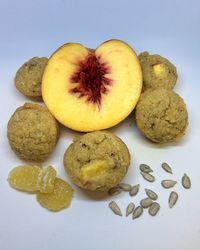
x=148 y=177
x=173 y=199
x=186 y=182
x=145 y=203
x=125 y=187
x=154 y=208
x=168 y=183
x=145 y=168
x=134 y=190
x=167 y=168
x=114 y=207
x=115 y=190
x=137 y=212
x=151 y=194
x=130 y=208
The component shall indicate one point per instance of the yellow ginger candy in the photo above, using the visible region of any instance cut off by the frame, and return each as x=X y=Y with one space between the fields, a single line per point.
x=59 y=199
x=32 y=178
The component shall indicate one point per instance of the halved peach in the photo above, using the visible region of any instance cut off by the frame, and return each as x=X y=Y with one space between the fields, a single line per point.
x=88 y=90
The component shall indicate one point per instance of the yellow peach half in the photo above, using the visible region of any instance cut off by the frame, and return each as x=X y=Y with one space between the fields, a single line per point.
x=88 y=90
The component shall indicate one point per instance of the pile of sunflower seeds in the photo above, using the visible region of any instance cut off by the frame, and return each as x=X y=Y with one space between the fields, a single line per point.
x=149 y=202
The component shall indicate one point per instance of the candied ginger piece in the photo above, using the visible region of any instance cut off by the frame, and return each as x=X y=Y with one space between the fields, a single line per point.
x=24 y=178
x=32 y=178
x=59 y=199
x=46 y=179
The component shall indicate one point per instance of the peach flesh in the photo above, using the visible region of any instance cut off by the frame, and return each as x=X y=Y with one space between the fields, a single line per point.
x=79 y=112
x=90 y=79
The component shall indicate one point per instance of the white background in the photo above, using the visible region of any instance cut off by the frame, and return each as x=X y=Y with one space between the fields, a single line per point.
x=169 y=28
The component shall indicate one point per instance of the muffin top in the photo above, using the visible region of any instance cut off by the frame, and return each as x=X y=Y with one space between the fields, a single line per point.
x=97 y=160
x=28 y=78
x=158 y=72
x=32 y=132
x=161 y=115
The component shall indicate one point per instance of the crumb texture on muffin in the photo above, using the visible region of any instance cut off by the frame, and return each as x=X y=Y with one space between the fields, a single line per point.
x=158 y=72
x=97 y=160
x=32 y=132
x=29 y=77
x=161 y=115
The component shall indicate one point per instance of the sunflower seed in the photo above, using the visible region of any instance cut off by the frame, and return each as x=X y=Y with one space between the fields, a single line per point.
x=186 y=181
x=145 y=168
x=145 y=203
x=151 y=194
x=173 y=199
x=130 y=208
x=168 y=183
x=154 y=208
x=114 y=207
x=134 y=190
x=125 y=187
x=148 y=177
x=137 y=212
x=115 y=190
x=166 y=167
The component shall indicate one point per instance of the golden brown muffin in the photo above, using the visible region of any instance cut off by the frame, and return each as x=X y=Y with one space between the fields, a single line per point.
x=161 y=115
x=158 y=72
x=97 y=161
x=32 y=132
x=29 y=77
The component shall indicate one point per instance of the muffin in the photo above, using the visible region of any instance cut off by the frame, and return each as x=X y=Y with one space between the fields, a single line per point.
x=158 y=72
x=161 y=115
x=32 y=132
x=28 y=78
x=97 y=161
